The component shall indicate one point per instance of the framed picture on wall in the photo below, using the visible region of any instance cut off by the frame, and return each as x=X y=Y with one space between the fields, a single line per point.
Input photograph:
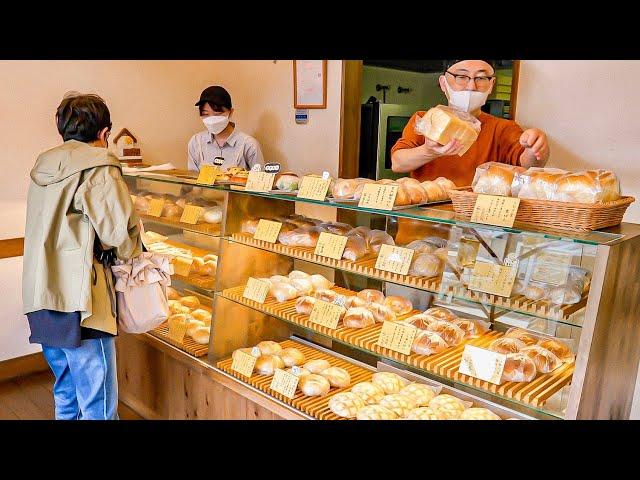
x=310 y=83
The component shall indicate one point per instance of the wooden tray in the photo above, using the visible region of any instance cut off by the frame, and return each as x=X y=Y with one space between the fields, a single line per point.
x=202 y=227
x=580 y=217
x=188 y=344
x=366 y=266
x=445 y=364
x=317 y=407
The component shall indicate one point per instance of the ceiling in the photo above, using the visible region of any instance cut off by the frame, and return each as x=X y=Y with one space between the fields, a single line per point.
x=424 y=66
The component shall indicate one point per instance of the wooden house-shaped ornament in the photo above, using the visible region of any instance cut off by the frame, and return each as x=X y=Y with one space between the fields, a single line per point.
x=127 y=147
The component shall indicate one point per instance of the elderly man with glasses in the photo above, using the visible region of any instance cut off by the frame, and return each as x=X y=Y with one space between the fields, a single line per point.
x=467 y=84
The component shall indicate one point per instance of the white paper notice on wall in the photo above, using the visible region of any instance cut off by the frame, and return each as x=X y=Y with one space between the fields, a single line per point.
x=310 y=83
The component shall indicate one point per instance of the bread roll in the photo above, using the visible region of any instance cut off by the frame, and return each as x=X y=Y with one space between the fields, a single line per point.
x=422 y=394
x=448 y=405
x=591 y=186
x=361 y=183
x=522 y=335
x=202 y=315
x=178 y=308
x=291 y=357
x=297 y=274
x=268 y=347
x=355 y=248
x=564 y=296
x=370 y=393
x=377 y=238
x=317 y=366
x=358 y=317
x=425 y=413
x=326 y=295
x=441 y=313
x=337 y=228
x=435 y=192
x=561 y=350
x=209 y=268
x=287 y=181
x=426 y=265
x=190 y=301
x=298 y=371
x=506 y=345
x=421 y=246
x=445 y=183
x=545 y=360
x=171 y=210
x=300 y=237
x=495 y=178
x=201 y=335
x=518 y=368
x=428 y=343
x=370 y=295
x=354 y=301
x=376 y=412
x=398 y=403
x=389 y=382
x=212 y=215
x=421 y=321
x=192 y=325
x=267 y=364
x=346 y=404
x=360 y=231
x=172 y=294
x=302 y=285
x=338 y=377
x=305 y=304
x=478 y=414
x=249 y=225
x=283 y=292
x=381 y=313
x=537 y=183
x=179 y=320
x=449 y=332
x=534 y=293
x=320 y=283
x=313 y=385
x=470 y=328
x=403 y=197
x=344 y=188
x=399 y=305
x=142 y=204
x=417 y=194
x=279 y=279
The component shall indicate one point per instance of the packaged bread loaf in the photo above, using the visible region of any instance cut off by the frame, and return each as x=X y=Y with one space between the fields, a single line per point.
x=421 y=321
x=590 y=186
x=545 y=360
x=297 y=274
x=301 y=237
x=370 y=393
x=355 y=248
x=320 y=283
x=389 y=382
x=249 y=225
x=377 y=238
x=303 y=286
x=435 y=192
x=495 y=178
x=448 y=405
x=361 y=231
x=399 y=305
x=478 y=414
x=376 y=412
x=337 y=228
x=471 y=328
x=358 y=317
x=381 y=313
x=426 y=265
x=338 y=377
x=344 y=188
x=425 y=413
x=212 y=215
x=564 y=296
x=535 y=292
x=346 y=404
x=305 y=304
x=326 y=295
x=506 y=345
x=283 y=292
x=370 y=295
x=560 y=349
x=518 y=367
x=421 y=393
x=421 y=246
x=428 y=343
x=314 y=385
x=287 y=181
x=443 y=124
x=354 y=301
x=537 y=183
x=398 y=403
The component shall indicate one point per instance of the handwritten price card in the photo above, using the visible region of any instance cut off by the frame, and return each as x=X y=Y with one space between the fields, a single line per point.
x=314 y=188
x=483 y=364
x=330 y=245
x=155 y=207
x=256 y=290
x=284 y=382
x=326 y=314
x=243 y=363
x=493 y=278
x=495 y=210
x=378 y=196
x=191 y=214
x=267 y=231
x=397 y=336
x=260 y=182
x=208 y=174
x=394 y=259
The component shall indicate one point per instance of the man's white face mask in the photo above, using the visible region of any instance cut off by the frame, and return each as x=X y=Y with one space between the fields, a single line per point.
x=467 y=100
x=216 y=123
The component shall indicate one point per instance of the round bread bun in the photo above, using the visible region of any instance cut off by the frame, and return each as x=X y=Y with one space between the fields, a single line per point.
x=522 y=335
x=179 y=320
x=370 y=295
x=445 y=183
x=519 y=368
x=564 y=296
x=269 y=347
x=267 y=364
x=507 y=345
x=421 y=393
x=326 y=295
x=279 y=279
x=478 y=414
x=317 y=366
x=389 y=382
x=190 y=301
x=426 y=265
x=381 y=313
x=296 y=274
x=291 y=357
x=400 y=404
x=354 y=301
x=212 y=215
x=302 y=285
x=202 y=315
x=376 y=412
x=201 y=335
x=399 y=305
x=449 y=332
x=358 y=317
x=425 y=413
x=177 y=307
x=420 y=320
x=172 y=294
x=320 y=283
x=192 y=325
x=171 y=210
x=305 y=304
x=533 y=292
x=196 y=266
x=346 y=404
x=470 y=328
x=448 y=405
x=338 y=377
x=370 y=393
x=283 y=292
x=441 y=313
x=209 y=268
x=428 y=343
x=545 y=360
x=313 y=385
x=561 y=350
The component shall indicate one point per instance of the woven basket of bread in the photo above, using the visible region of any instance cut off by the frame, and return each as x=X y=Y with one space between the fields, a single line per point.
x=551 y=214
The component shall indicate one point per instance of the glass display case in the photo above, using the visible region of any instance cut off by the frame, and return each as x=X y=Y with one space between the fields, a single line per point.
x=569 y=307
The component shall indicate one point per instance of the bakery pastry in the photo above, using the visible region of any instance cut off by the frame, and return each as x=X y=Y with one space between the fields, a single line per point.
x=358 y=317
x=212 y=215
x=192 y=325
x=421 y=393
x=305 y=304
x=179 y=320
x=317 y=366
x=561 y=350
x=428 y=343
x=420 y=320
x=518 y=367
x=523 y=335
x=301 y=237
x=448 y=405
x=471 y=328
x=190 y=301
x=441 y=313
x=287 y=181
x=291 y=357
x=249 y=225
x=421 y=246
x=354 y=301
x=370 y=295
x=320 y=283
x=337 y=228
x=326 y=295
x=417 y=193
x=403 y=197
x=202 y=315
x=171 y=210
x=370 y=393
x=478 y=414
x=268 y=347
x=507 y=345
x=172 y=294
x=338 y=377
x=279 y=279
x=344 y=188
x=399 y=305
x=283 y=292
x=590 y=186
x=346 y=404
x=313 y=385
x=176 y=307
x=201 y=335
x=450 y=333
x=426 y=265
x=445 y=183
x=209 y=268
x=210 y=257
x=360 y=231
x=355 y=248
x=376 y=412
x=297 y=274
x=425 y=413
x=377 y=238
x=389 y=382
x=443 y=124
x=400 y=404
x=534 y=292
x=267 y=364
x=564 y=296
x=302 y=285
x=545 y=360
x=435 y=192
x=196 y=265
x=381 y=313
x=495 y=178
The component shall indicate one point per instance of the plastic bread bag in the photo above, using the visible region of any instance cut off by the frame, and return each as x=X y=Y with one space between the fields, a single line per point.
x=527 y=337
x=450 y=333
x=426 y=265
x=559 y=347
x=377 y=238
x=361 y=231
x=428 y=343
x=443 y=124
x=421 y=246
x=336 y=228
x=589 y=186
x=471 y=328
x=493 y=178
x=301 y=237
x=536 y=291
x=344 y=188
x=250 y=225
x=355 y=249
x=506 y=345
x=537 y=183
x=546 y=361
x=518 y=367
x=360 y=187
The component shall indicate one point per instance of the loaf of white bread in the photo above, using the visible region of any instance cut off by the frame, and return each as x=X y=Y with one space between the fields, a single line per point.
x=443 y=124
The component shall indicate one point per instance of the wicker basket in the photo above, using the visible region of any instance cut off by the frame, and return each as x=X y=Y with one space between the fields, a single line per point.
x=580 y=217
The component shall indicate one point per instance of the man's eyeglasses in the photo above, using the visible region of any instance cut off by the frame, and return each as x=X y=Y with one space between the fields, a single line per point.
x=463 y=80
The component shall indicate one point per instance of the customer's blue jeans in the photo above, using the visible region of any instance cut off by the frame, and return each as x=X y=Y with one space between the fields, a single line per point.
x=86 y=386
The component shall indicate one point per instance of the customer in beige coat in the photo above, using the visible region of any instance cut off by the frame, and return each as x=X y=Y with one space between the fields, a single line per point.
x=78 y=203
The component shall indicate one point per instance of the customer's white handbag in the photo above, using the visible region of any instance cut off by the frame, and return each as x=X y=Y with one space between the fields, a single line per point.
x=141 y=291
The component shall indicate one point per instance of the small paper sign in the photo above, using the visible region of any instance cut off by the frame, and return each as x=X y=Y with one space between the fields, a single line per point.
x=259 y=182
x=397 y=336
x=243 y=363
x=493 y=278
x=256 y=290
x=552 y=268
x=495 y=210
x=330 y=245
x=394 y=259
x=326 y=314
x=177 y=331
x=483 y=364
x=208 y=174
x=182 y=266
x=378 y=196
x=255 y=351
x=272 y=167
x=314 y=188
x=267 y=231
x=191 y=214
x=284 y=383
x=155 y=207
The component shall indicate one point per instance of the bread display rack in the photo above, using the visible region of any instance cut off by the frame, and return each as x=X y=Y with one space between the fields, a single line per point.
x=200 y=227
x=598 y=385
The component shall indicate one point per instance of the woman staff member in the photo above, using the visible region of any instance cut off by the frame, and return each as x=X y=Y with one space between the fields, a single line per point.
x=221 y=140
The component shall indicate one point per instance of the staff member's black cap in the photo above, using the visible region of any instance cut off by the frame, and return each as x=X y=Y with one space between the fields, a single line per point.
x=215 y=96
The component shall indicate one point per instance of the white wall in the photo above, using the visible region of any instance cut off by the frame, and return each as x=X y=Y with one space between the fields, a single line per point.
x=590 y=110
x=425 y=90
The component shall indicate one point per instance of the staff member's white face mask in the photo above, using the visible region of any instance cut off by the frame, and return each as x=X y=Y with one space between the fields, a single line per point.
x=467 y=100
x=216 y=123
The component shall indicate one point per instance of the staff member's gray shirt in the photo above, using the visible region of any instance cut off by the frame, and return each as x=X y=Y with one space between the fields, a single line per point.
x=239 y=150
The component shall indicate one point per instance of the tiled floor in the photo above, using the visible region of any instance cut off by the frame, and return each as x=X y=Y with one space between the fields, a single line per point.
x=30 y=398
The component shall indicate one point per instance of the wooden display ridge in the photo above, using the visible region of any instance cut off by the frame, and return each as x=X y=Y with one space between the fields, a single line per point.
x=366 y=266
x=317 y=407
x=202 y=227
x=444 y=364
